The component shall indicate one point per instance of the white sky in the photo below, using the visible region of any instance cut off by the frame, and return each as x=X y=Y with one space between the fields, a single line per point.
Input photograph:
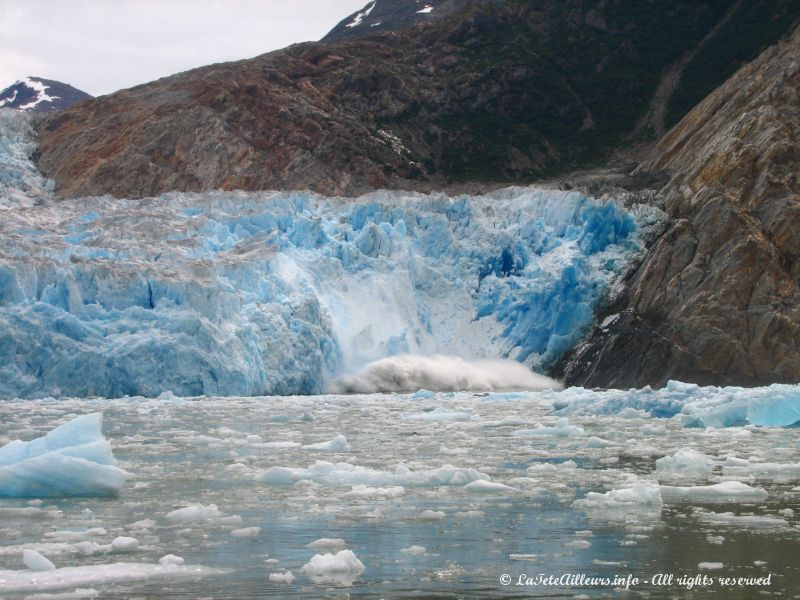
x=100 y=46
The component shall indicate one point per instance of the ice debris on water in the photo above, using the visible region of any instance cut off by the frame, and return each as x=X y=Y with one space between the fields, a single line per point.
x=74 y=459
x=343 y=474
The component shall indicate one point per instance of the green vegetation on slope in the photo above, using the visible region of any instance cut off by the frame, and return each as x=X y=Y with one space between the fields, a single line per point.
x=753 y=26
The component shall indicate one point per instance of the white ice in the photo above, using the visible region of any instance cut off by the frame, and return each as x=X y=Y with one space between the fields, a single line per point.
x=342 y=568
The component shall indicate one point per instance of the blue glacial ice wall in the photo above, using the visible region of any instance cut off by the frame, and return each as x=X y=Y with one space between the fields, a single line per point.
x=233 y=293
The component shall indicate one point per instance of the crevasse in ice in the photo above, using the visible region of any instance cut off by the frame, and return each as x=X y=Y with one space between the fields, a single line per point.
x=232 y=293
x=71 y=460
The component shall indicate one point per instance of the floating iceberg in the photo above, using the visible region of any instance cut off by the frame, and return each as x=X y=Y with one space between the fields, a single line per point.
x=259 y=293
x=777 y=405
x=71 y=460
x=726 y=491
x=685 y=463
x=342 y=568
x=640 y=497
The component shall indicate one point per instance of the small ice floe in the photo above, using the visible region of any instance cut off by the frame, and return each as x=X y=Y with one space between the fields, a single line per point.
x=364 y=491
x=641 y=496
x=598 y=442
x=488 y=487
x=327 y=545
x=578 y=544
x=414 y=550
x=685 y=463
x=171 y=559
x=246 y=532
x=439 y=414
x=124 y=544
x=70 y=578
x=727 y=491
x=562 y=428
x=432 y=515
x=73 y=459
x=740 y=467
x=716 y=539
x=196 y=513
x=286 y=577
x=342 y=568
x=729 y=519
x=526 y=557
x=337 y=444
x=710 y=566
x=29 y=512
x=36 y=562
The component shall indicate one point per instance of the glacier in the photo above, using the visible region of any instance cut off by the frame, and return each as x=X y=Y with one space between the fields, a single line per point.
x=257 y=293
x=73 y=459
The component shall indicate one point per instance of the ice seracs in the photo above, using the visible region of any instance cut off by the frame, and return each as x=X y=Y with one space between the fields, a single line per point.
x=73 y=459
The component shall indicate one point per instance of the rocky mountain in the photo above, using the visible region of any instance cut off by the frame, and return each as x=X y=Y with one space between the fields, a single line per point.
x=389 y=15
x=34 y=94
x=716 y=298
x=487 y=93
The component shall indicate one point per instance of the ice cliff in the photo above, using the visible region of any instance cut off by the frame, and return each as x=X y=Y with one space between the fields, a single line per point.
x=233 y=293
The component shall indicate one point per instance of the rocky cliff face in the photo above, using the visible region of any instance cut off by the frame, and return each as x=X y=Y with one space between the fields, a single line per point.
x=498 y=92
x=716 y=298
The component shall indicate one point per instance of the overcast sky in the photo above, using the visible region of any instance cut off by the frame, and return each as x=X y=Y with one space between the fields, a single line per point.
x=100 y=46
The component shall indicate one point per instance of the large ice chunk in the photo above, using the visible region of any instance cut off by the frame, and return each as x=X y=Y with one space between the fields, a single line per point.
x=73 y=459
x=775 y=406
x=641 y=496
x=342 y=568
x=726 y=491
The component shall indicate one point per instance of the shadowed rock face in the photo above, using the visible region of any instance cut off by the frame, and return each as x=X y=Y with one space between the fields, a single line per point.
x=492 y=92
x=716 y=298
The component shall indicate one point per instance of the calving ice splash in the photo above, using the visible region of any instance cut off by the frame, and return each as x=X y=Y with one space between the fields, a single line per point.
x=233 y=293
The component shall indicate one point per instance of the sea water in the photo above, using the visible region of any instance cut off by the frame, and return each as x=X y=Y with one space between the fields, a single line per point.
x=262 y=478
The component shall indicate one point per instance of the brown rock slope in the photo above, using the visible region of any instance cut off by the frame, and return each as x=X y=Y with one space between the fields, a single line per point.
x=501 y=91
x=716 y=298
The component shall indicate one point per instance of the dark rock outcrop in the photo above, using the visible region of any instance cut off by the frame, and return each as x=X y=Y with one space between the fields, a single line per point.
x=716 y=298
x=36 y=95
x=505 y=91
